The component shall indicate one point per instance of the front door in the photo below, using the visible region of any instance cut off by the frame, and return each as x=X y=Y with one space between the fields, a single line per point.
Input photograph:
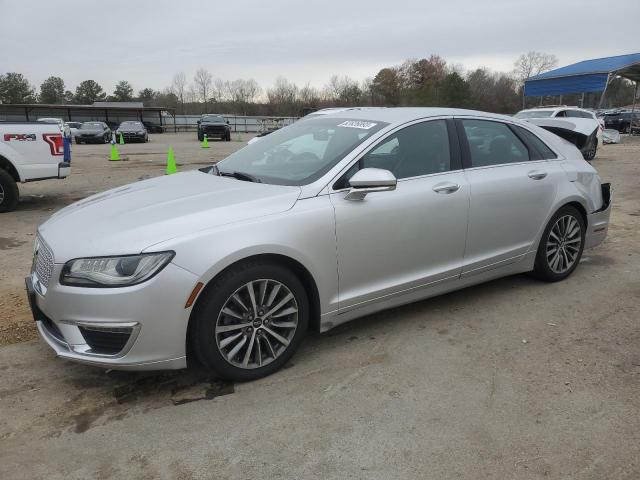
x=414 y=236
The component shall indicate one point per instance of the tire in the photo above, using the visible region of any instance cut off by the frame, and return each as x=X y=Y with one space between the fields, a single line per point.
x=200 y=136
x=9 y=193
x=547 y=267
x=227 y=137
x=105 y=140
x=209 y=343
x=589 y=152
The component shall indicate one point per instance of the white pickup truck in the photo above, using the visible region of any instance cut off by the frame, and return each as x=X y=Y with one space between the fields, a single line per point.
x=29 y=151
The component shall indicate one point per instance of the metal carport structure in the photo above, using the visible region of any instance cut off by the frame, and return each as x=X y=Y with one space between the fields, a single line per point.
x=585 y=77
x=102 y=111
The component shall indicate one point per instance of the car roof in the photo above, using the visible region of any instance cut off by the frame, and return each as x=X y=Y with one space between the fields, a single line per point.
x=399 y=115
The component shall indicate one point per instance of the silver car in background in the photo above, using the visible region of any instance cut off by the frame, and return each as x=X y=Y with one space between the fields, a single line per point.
x=323 y=221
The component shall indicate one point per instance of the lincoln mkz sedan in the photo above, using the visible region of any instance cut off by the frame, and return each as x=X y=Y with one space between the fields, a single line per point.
x=328 y=219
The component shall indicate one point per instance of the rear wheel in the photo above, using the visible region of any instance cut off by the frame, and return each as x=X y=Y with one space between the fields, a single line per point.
x=589 y=153
x=561 y=245
x=250 y=321
x=9 y=193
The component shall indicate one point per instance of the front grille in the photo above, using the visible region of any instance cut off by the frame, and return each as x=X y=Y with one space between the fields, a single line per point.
x=215 y=130
x=106 y=341
x=43 y=262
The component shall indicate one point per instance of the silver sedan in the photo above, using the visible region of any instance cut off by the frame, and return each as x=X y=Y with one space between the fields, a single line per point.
x=331 y=218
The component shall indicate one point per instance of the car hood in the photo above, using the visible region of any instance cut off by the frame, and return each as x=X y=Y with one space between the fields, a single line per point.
x=90 y=132
x=132 y=218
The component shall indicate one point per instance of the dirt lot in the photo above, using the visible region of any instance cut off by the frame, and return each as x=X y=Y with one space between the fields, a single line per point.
x=512 y=379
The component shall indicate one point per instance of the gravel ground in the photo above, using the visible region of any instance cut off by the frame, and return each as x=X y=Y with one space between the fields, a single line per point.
x=511 y=379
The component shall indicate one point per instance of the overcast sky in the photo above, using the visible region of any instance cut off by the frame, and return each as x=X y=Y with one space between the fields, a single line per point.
x=147 y=42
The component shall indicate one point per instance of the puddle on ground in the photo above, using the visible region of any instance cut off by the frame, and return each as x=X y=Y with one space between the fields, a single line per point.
x=112 y=396
x=7 y=243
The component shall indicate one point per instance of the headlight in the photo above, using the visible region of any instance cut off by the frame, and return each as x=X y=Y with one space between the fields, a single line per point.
x=140 y=132
x=114 y=271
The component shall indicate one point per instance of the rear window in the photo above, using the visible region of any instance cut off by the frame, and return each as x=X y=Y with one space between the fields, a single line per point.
x=534 y=114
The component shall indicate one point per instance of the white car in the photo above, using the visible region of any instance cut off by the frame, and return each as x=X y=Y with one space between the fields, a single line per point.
x=58 y=121
x=73 y=128
x=233 y=263
x=577 y=125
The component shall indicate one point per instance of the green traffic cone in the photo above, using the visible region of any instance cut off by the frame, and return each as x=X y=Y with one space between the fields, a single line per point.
x=171 y=163
x=205 y=141
x=114 y=153
x=121 y=141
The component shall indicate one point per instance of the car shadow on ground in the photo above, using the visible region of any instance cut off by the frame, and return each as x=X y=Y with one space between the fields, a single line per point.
x=124 y=390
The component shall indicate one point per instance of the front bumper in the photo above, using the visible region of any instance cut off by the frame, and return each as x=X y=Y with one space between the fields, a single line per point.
x=142 y=327
x=598 y=221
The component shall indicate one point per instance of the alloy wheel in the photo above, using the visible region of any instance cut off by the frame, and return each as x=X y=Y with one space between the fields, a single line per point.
x=256 y=323
x=563 y=244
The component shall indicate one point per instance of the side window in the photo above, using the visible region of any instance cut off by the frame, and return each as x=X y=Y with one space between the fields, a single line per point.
x=538 y=144
x=562 y=113
x=574 y=114
x=419 y=149
x=493 y=143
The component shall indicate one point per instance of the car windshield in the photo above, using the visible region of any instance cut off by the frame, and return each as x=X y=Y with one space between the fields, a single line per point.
x=213 y=118
x=300 y=153
x=130 y=125
x=534 y=114
x=91 y=126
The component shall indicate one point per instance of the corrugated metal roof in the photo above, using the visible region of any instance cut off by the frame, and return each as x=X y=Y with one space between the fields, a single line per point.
x=119 y=104
x=597 y=65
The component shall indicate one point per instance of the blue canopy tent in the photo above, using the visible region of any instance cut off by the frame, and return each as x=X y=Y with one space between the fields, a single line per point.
x=585 y=77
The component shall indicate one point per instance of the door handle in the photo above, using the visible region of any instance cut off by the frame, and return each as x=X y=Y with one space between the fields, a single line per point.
x=446 y=187
x=537 y=174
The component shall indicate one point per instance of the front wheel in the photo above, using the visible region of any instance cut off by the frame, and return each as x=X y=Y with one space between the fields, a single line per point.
x=250 y=321
x=8 y=192
x=561 y=245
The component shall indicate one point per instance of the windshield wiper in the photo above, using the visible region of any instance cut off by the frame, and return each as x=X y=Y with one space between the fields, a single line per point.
x=239 y=175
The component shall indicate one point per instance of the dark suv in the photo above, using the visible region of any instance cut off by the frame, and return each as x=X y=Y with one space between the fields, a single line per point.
x=621 y=121
x=214 y=126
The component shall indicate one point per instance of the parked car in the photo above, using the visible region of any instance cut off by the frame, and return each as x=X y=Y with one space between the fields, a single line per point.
x=621 y=121
x=582 y=127
x=320 y=222
x=153 y=127
x=132 y=132
x=29 y=152
x=73 y=128
x=93 y=132
x=214 y=126
x=57 y=121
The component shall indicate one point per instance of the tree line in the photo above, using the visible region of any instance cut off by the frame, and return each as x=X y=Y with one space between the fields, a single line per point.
x=416 y=82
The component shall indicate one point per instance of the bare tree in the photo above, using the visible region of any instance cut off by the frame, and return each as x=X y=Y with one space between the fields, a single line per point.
x=179 y=87
x=533 y=63
x=202 y=81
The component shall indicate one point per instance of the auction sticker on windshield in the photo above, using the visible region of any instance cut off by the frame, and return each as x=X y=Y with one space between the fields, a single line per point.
x=357 y=124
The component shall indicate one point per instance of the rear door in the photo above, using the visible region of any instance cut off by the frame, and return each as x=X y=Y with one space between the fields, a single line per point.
x=512 y=189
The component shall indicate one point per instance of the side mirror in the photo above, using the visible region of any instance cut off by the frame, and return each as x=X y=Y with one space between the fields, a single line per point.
x=198 y=122
x=369 y=180
x=228 y=122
